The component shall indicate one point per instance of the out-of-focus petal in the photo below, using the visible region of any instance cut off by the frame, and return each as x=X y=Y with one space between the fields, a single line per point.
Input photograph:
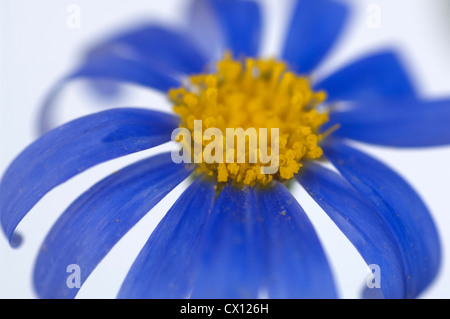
x=401 y=209
x=71 y=149
x=110 y=68
x=170 y=49
x=314 y=29
x=379 y=75
x=166 y=265
x=97 y=220
x=399 y=123
x=205 y=29
x=240 y=22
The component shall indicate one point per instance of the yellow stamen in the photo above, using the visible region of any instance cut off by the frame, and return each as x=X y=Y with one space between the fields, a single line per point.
x=253 y=94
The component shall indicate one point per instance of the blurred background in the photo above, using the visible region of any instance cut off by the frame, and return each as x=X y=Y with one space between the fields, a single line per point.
x=39 y=43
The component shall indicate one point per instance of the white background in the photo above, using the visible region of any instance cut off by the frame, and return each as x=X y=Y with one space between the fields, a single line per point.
x=37 y=47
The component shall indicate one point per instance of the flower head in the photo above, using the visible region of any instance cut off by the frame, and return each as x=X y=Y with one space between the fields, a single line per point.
x=235 y=232
x=252 y=95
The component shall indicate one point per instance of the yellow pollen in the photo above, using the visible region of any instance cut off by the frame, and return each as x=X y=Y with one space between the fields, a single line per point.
x=257 y=94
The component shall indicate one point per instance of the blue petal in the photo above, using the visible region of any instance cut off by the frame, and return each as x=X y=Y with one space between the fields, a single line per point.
x=241 y=25
x=72 y=148
x=149 y=56
x=261 y=242
x=297 y=266
x=401 y=209
x=371 y=77
x=399 y=123
x=205 y=29
x=152 y=45
x=109 y=66
x=166 y=265
x=314 y=29
x=359 y=222
x=232 y=262
x=97 y=220
x=106 y=67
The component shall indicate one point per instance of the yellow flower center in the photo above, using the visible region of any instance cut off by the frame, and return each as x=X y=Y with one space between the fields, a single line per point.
x=250 y=94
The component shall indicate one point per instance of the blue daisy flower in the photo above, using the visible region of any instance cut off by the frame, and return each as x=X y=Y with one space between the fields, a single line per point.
x=233 y=233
